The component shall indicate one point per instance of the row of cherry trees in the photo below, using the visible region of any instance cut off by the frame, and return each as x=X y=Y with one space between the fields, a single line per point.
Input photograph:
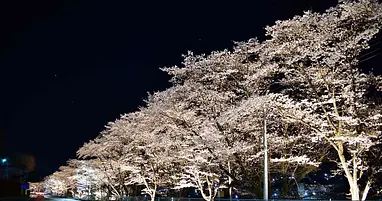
x=206 y=130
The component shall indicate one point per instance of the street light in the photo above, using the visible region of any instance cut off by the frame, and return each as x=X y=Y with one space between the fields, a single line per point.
x=4 y=161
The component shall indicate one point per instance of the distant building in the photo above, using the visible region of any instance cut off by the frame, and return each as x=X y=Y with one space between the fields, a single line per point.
x=13 y=180
x=9 y=172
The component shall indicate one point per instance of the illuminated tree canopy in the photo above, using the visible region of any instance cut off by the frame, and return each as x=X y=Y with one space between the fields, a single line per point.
x=206 y=130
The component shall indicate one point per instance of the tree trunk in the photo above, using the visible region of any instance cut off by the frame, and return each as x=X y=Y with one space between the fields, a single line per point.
x=366 y=190
x=108 y=193
x=354 y=190
x=205 y=197
x=353 y=183
x=154 y=190
x=286 y=187
x=350 y=176
x=126 y=190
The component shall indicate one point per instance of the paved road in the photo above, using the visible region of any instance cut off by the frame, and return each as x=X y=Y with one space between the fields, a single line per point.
x=14 y=199
x=37 y=199
x=52 y=199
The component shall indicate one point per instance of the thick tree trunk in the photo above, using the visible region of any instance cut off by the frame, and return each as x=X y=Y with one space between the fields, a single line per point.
x=366 y=190
x=354 y=190
x=352 y=177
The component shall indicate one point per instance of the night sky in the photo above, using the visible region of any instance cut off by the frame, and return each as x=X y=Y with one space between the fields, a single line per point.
x=69 y=67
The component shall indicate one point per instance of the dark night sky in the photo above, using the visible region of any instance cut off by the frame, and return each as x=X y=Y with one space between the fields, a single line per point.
x=66 y=69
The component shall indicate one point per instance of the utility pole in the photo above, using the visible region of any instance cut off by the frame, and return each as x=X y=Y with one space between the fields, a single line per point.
x=265 y=144
x=265 y=188
x=230 y=181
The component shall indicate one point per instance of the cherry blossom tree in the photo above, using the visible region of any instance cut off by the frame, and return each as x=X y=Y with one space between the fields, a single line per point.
x=324 y=89
x=112 y=174
x=36 y=186
x=137 y=142
x=313 y=60
x=207 y=86
x=55 y=186
x=60 y=182
x=86 y=178
x=195 y=132
x=223 y=93
x=64 y=180
x=201 y=174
